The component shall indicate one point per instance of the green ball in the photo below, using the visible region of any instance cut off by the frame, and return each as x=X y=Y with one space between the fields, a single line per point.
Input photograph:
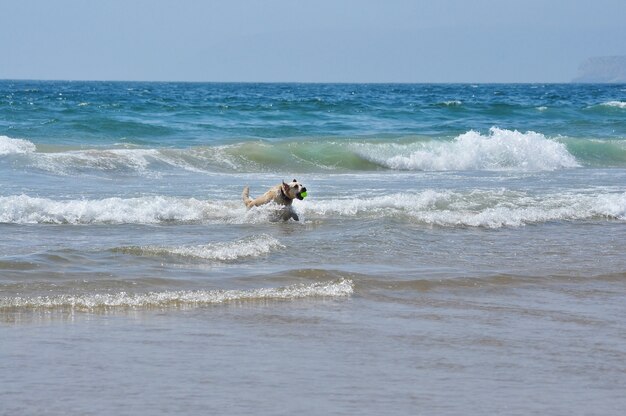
x=303 y=194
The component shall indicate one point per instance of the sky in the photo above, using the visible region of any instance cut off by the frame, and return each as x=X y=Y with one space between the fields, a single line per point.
x=307 y=41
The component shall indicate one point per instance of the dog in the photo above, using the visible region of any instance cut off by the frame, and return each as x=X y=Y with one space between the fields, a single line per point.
x=282 y=194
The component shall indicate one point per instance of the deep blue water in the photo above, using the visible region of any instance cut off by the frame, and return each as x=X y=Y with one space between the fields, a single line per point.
x=191 y=114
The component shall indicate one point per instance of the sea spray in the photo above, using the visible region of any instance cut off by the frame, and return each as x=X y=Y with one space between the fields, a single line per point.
x=499 y=150
x=9 y=146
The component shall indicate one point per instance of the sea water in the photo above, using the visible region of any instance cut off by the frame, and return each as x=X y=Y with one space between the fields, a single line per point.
x=461 y=249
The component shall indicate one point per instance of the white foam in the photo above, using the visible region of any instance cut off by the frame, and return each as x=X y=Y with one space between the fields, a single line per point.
x=386 y=204
x=499 y=150
x=249 y=247
x=477 y=208
x=15 y=146
x=23 y=209
x=617 y=104
x=339 y=288
x=489 y=209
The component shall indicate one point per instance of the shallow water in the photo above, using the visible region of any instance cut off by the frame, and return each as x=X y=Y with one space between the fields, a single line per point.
x=460 y=250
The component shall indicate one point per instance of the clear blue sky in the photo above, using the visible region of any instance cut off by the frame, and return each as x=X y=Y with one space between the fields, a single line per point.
x=308 y=41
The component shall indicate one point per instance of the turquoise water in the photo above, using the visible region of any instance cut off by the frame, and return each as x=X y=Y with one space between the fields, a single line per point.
x=460 y=250
x=190 y=114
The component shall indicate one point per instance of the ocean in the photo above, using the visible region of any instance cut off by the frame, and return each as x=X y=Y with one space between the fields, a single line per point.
x=461 y=250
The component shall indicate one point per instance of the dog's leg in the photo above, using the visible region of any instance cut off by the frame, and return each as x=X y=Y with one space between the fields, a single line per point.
x=285 y=214
x=289 y=213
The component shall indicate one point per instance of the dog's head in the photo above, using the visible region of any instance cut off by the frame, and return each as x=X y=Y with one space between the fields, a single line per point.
x=294 y=190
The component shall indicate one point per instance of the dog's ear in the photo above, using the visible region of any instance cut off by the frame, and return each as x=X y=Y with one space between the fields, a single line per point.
x=295 y=180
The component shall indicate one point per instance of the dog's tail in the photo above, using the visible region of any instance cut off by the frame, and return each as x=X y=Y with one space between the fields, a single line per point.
x=246 y=196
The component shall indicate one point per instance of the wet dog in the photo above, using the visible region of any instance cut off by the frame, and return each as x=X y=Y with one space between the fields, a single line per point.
x=282 y=194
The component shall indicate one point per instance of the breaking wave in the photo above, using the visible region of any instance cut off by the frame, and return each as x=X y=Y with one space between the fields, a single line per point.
x=23 y=209
x=475 y=208
x=489 y=209
x=15 y=146
x=173 y=299
x=615 y=104
x=249 y=247
x=499 y=149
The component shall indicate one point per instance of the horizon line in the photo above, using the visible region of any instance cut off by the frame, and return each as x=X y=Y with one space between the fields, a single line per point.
x=305 y=82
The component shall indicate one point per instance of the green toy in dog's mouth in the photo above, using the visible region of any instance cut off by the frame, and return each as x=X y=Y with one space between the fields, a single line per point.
x=300 y=195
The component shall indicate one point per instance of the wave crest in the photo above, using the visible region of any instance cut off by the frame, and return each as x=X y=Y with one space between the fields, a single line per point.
x=488 y=209
x=476 y=208
x=249 y=247
x=10 y=146
x=123 y=300
x=23 y=209
x=615 y=104
x=499 y=150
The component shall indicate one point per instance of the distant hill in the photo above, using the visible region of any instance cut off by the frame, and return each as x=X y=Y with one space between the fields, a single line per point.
x=609 y=69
